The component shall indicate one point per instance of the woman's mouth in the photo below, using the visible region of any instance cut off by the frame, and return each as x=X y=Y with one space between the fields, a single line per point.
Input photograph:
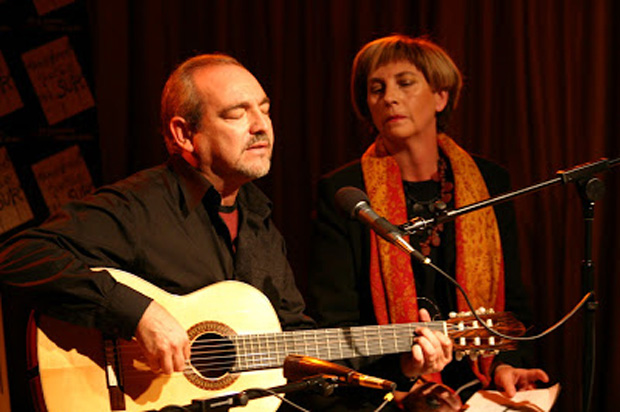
x=394 y=118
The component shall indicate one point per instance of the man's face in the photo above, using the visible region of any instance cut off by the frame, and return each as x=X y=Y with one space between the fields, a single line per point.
x=235 y=140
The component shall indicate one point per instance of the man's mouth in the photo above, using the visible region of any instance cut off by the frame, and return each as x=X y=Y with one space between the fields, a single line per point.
x=257 y=145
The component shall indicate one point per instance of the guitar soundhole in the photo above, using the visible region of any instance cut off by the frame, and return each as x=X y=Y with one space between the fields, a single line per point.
x=213 y=355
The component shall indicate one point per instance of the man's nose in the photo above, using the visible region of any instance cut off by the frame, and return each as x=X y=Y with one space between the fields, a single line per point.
x=260 y=122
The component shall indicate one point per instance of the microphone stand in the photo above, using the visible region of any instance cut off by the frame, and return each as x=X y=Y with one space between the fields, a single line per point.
x=590 y=190
x=322 y=384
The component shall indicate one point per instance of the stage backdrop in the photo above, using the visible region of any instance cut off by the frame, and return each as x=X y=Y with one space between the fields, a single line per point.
x=541 y=94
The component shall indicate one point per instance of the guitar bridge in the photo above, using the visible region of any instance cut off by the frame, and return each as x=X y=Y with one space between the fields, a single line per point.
x=113 y=375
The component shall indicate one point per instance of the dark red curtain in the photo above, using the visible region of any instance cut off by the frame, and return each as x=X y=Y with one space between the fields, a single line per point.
x=541 y=94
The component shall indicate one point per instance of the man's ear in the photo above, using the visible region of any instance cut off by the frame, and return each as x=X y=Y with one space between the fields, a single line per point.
x=181 y=133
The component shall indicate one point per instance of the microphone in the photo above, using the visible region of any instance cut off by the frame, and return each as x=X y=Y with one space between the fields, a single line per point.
x=298 y=367
x=355 y=202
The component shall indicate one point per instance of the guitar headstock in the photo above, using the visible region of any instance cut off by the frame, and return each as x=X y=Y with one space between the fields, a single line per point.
x=471 y=339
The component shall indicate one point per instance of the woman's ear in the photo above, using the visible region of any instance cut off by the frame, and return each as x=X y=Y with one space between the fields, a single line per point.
x=441 y=100
x=181 y=133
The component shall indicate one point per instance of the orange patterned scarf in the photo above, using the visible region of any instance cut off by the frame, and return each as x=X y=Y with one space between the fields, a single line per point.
x=479 y=259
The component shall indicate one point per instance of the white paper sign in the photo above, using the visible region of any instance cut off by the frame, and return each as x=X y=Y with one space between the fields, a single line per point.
x=9 y=96
x=14 y=207
x=57 y=79
x=536 y=400
x=45 y=6
x=63 y=177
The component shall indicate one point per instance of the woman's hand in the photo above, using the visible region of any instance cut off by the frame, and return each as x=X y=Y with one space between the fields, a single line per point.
x=510 y=380
x=430 y=396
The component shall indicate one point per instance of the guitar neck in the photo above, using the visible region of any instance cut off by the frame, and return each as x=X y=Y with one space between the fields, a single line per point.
x=269 y=350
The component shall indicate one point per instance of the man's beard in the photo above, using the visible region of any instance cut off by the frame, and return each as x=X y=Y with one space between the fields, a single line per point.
x=254 y=171
x=259 y=168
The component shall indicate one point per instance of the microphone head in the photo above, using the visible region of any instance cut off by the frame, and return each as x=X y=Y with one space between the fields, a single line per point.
x=348 y=199
x=298 y=367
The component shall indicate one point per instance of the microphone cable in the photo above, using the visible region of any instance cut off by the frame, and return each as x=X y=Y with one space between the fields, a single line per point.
x=584 y=300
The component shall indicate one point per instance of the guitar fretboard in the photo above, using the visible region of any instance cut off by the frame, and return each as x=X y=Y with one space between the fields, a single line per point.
x=269 y=350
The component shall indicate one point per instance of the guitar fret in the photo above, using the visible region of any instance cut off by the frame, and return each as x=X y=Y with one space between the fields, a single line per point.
x=394 y=339
x=328 y=346
x=260 y=358
x=315 y=350
x=240 y=345
x=271 y=355
x=252 y=353
x=277 y=353
x=247 y=356
x=257 y=353
x=304 y=341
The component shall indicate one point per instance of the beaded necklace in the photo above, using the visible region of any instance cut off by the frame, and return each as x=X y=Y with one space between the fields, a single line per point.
x=430 y=207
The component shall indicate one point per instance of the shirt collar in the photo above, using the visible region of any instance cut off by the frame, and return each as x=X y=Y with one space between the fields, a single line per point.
x=193 y=185
x=196 y=189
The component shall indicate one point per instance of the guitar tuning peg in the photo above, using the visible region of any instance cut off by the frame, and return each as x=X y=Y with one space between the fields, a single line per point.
x=458 y=355
x=473 y=355
x=491 y=311
x=452 y=315
x=481 y=310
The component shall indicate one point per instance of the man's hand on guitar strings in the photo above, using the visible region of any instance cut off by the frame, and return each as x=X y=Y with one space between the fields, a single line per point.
x=163 y=340
x=430 y=353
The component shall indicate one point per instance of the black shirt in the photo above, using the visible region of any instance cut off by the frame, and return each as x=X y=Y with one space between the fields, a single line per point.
x=161 y=224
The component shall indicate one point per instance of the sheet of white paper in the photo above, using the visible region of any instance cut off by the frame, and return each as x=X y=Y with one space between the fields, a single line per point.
x=537 y=400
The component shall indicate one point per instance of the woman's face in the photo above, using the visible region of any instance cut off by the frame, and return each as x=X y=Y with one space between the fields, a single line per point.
x=401 y=102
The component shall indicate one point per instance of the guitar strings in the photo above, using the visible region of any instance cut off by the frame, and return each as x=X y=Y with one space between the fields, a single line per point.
x=291 y=338
x=214 y=357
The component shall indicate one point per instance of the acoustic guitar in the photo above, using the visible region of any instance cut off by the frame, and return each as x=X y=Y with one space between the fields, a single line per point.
x=236 y=344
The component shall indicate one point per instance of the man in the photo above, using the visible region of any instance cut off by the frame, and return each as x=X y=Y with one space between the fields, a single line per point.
x=181 y=226
x=189 y=223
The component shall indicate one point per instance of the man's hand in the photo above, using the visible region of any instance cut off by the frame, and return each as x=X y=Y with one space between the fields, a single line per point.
x=431 y=352
x=510 y=380
x=163 y=340
x=431 y=397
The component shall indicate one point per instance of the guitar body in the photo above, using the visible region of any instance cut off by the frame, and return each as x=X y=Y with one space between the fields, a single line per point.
x=76 y=372
x=236 y=345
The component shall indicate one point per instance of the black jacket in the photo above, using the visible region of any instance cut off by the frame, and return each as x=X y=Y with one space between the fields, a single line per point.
x=338 y=281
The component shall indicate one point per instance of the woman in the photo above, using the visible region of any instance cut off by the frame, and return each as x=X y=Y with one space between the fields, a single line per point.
x=405 y=89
